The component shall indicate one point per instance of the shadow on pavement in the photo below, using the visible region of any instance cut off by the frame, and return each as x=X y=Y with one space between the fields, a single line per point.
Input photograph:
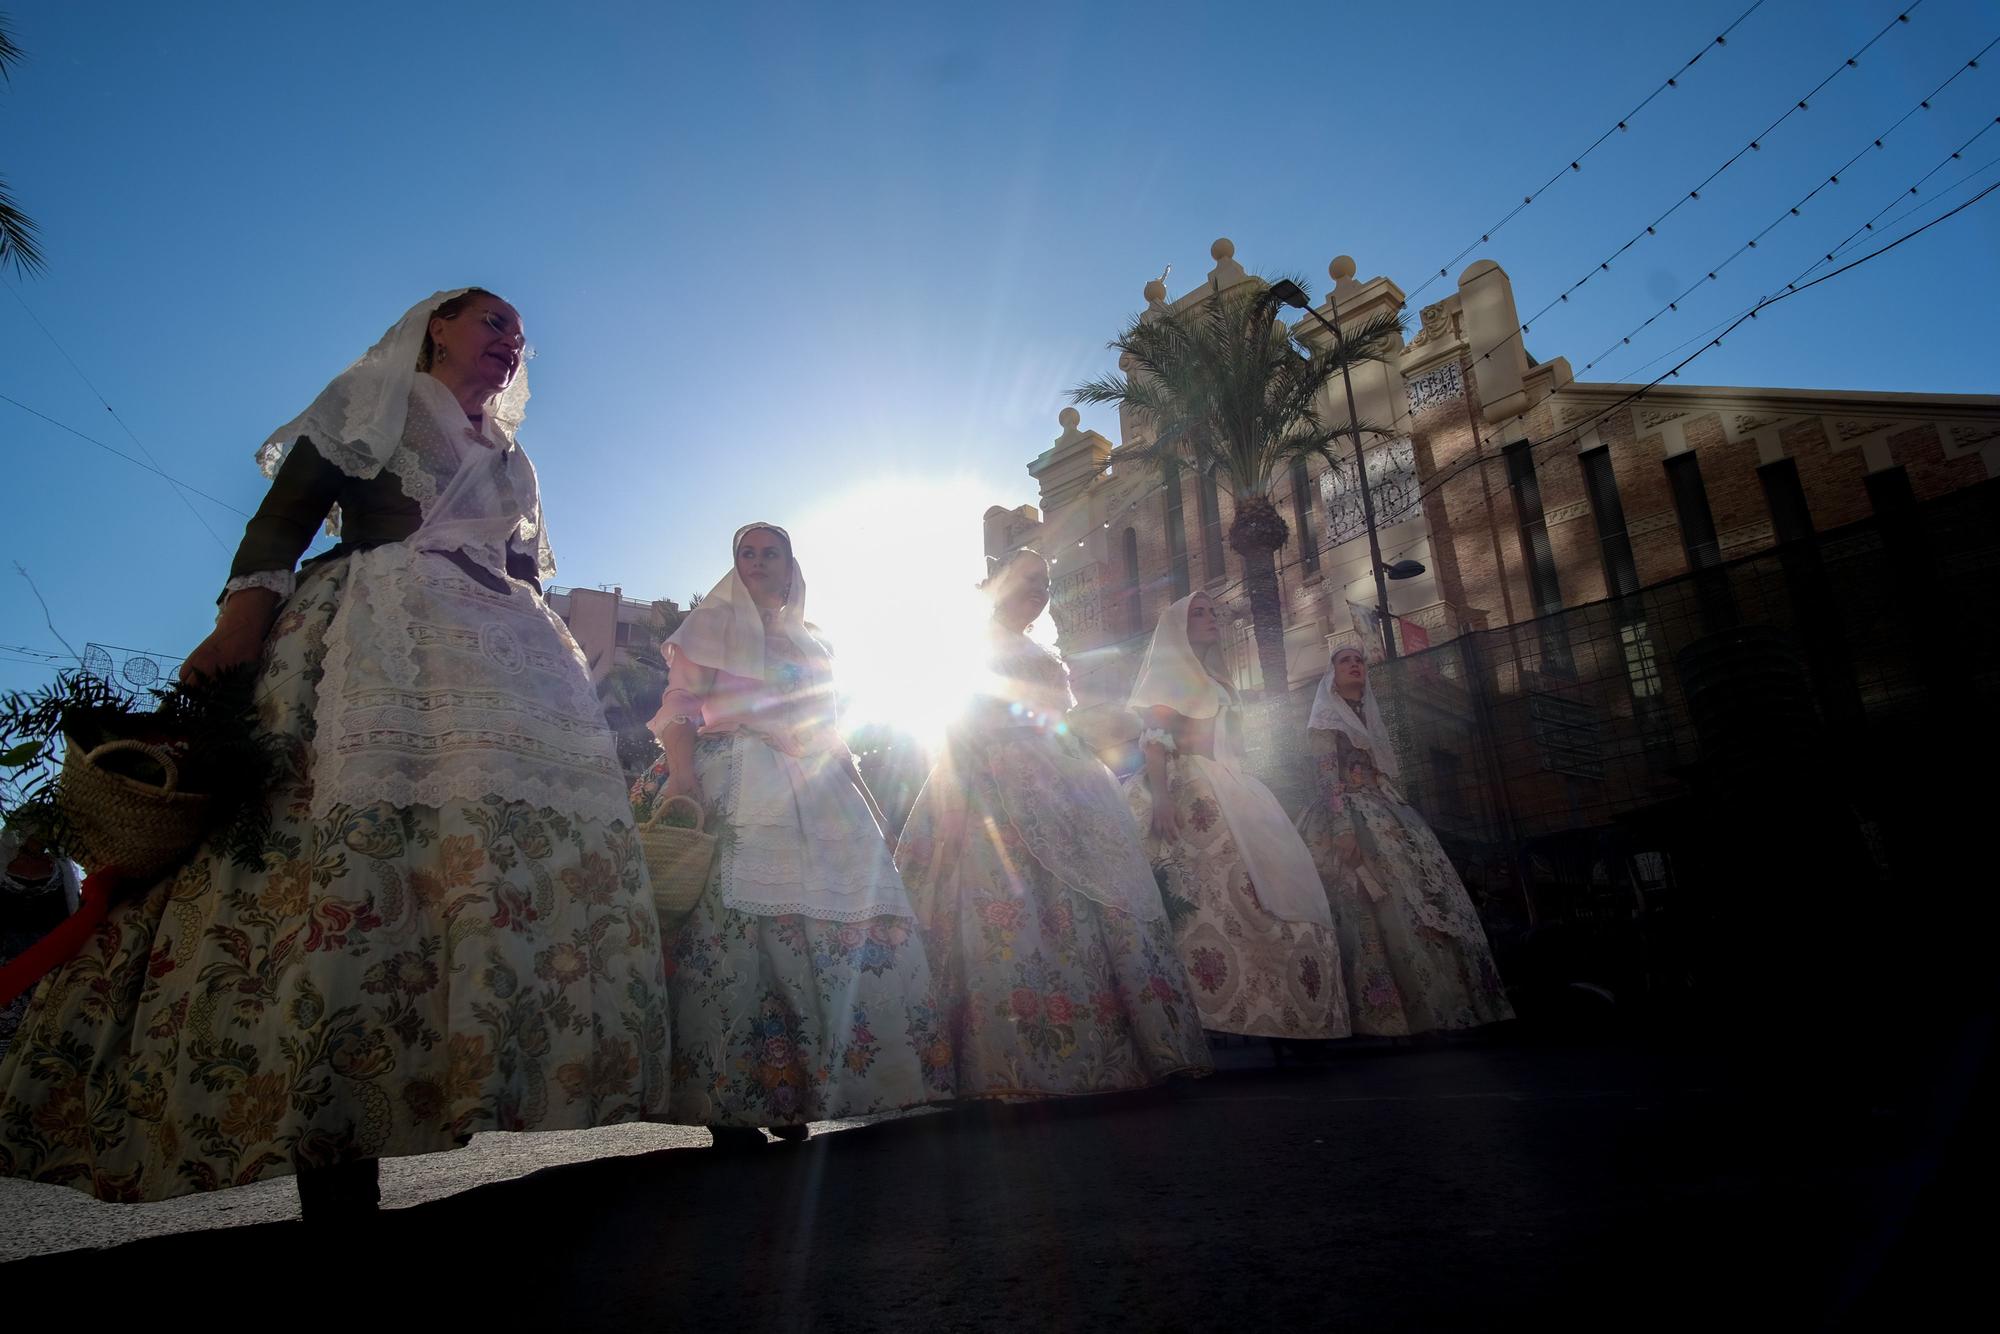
x=1474 y=1187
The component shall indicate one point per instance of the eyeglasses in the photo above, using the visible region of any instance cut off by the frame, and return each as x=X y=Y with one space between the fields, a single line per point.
x=499 y=326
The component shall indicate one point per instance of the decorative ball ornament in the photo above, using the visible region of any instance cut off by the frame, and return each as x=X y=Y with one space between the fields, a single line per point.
x=1224 y=248
x=1069 y=417
x=1156 y=292
x=1342 y=268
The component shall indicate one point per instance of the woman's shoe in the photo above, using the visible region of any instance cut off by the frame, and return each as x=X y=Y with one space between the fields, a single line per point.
x=732 y=1138
x=344 y=1193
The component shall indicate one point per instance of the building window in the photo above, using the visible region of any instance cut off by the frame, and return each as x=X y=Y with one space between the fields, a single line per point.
x=1302 y=517
x=1177 y=560
x=1621 y=575
x=1791 y=517
x=1211 y=526
x=1128 y=595
x=622 y=636
x=1691 y=506
x=1535 y=549
x=1642 y=662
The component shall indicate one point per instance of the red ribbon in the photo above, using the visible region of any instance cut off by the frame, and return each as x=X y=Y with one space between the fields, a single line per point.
x=62 y=944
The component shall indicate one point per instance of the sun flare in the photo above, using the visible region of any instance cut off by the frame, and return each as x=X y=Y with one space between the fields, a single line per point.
x=892 y=569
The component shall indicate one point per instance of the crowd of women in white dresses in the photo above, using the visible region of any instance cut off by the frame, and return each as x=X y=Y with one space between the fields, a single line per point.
x=450 y=929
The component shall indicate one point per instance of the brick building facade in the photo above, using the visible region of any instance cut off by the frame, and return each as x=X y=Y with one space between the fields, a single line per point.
x=1522 y=490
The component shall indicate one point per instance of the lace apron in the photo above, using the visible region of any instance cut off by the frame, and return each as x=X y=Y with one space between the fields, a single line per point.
x=442 y=687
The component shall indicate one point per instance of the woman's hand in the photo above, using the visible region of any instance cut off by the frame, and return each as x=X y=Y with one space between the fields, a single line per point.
x=238 y=637
x=1166 y=820
x=681 y=783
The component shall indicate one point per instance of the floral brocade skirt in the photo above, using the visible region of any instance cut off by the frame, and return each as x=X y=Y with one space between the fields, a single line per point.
x=783 y=1020
x=382 y=982
x=1049 y=992
x=1405 y=973
x=1251 y=972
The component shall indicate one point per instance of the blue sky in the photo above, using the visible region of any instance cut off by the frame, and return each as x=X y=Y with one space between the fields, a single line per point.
x=775 y=255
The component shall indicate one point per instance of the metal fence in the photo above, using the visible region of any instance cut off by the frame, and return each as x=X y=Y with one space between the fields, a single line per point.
x=1625 y=782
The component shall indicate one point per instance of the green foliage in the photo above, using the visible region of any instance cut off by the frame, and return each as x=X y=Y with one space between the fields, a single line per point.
x=210 y=728
x=19 y=245
x=1224 y=389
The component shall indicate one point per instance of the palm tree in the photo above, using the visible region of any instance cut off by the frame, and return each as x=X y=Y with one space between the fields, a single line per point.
x=17 y=230
x=1226 y=390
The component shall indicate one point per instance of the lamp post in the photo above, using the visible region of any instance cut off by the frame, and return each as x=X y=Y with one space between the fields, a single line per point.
x=1288 y=293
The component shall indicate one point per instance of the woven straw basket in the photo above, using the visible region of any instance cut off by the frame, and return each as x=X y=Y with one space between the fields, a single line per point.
x=677 y=860
x=141 y=829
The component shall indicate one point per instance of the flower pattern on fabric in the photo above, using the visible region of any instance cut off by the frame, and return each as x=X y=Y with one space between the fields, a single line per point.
x=781 y=1020
x=389 y=981
x=1049 y=992
x=1413 y=951
x=1251 y=973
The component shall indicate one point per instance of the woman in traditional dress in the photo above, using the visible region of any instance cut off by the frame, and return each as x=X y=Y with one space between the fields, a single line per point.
x=799 y=987
x=1412 y=948
x=447 y=928
x=1044 y=924
x=1250 y=915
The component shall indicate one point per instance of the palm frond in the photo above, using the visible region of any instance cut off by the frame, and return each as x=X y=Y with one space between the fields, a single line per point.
x=18 y=244
x=1106 y=389
x=11 y=53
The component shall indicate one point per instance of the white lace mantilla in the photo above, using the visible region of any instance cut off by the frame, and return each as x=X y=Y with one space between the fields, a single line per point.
x=803 y=841
x=438 y=689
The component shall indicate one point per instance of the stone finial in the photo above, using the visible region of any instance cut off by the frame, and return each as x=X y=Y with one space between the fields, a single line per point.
x=1342 y=269
x=1156 y=293
x=1070 y=419
x=1227 y=272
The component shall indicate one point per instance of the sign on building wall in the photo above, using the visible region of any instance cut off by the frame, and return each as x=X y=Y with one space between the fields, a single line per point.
x=1392 y=484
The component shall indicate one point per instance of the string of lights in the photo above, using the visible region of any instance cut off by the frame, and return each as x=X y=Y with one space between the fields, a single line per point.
x=1854 y=238
x=1795 y=210
x=1753 y=145
x=1576 y=164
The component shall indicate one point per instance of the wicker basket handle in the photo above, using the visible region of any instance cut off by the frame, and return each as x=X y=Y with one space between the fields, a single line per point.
x=659 y=812
x=166 y=760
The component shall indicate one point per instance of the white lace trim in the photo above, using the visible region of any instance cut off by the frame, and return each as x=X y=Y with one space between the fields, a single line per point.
x=437 y=689
x=281 y=582
x=806 y=865
x=1161 y=737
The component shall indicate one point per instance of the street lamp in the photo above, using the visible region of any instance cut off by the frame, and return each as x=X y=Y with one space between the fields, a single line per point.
x=1288 y=293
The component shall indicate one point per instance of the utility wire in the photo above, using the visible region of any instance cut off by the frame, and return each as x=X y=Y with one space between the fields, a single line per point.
x=1576 y=163
x=1755 y=144
x=136 y=462
x=1874 y=145
x=114 y=414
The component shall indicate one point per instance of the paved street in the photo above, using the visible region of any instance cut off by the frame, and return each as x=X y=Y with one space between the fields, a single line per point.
x=1477 y=1187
